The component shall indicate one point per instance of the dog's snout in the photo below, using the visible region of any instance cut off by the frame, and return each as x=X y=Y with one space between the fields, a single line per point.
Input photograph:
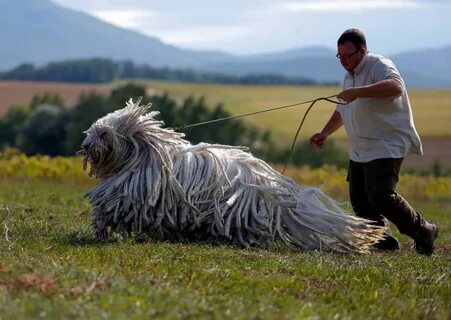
x=85 y=146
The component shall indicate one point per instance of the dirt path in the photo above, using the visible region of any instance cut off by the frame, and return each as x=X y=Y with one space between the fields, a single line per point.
x=21 y=92
x=433 y=148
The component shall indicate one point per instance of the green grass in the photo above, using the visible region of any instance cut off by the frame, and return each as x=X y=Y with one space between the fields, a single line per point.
x=51 y=268
x=430 y=107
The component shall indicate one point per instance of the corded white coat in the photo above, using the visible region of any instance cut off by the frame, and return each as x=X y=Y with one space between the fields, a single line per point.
x=153 y=182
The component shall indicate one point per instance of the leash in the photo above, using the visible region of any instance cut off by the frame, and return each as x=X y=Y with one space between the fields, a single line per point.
x=302 y=122
x=182 y=127
x=312 y=103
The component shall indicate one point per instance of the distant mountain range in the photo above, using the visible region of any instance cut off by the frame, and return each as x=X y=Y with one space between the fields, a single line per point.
x=39 y=32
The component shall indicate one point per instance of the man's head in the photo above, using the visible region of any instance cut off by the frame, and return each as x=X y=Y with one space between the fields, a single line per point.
x=351 y=48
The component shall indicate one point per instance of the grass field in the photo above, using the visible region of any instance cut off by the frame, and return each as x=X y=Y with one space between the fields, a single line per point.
x=430 y=107
x=51 y=268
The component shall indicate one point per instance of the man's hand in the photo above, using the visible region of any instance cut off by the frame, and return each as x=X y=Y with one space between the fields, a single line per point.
x=317 y=140
x=348 y=95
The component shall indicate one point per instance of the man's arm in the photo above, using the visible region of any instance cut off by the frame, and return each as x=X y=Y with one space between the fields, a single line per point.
x=334 y=123
x=382 y=89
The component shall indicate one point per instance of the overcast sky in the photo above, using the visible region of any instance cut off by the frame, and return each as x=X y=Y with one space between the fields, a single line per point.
x=260 y=26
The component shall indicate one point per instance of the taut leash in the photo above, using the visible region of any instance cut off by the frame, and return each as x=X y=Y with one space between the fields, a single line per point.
x=182 y=127
x=312 y=103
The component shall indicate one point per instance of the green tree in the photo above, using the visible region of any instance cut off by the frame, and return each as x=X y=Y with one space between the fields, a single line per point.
x=44 y=131
x=120 y=95
x=167 y=108
x=89 y=108
x=12 y=123
x=46 y=98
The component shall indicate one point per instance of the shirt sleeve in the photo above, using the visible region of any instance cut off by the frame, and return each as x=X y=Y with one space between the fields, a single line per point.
x=384 y=69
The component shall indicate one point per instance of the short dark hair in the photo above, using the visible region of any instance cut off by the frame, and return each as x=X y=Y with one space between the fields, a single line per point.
x=355 y=36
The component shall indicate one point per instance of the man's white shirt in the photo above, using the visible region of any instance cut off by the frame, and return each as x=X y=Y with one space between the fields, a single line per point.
x=378 y=127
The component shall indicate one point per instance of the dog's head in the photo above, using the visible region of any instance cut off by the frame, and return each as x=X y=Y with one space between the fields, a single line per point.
x=123 y=138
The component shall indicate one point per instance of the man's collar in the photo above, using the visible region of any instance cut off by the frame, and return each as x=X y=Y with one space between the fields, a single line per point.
x=362 y=63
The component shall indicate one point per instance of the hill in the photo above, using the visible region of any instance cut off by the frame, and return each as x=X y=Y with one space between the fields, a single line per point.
x=42 y=31
x=426 y=68
x=39 y=32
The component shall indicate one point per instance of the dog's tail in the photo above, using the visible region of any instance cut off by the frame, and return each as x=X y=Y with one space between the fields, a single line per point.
x=299 y=216
x=318 y=222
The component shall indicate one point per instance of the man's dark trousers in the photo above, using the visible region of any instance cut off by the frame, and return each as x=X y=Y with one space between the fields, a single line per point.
x=372 y=191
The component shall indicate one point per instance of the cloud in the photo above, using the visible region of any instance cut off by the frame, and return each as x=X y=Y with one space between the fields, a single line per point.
x=204 y=36
x=350 y=5
x=193 y=36
x=244 y=27
x=126 y=19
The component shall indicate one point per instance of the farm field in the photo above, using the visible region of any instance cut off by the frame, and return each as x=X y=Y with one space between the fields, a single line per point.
x=430 y=107
x=50 y=266
x=431 y=110
x=21 y=92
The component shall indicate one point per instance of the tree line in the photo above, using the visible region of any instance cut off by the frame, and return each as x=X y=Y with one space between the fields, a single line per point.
x=100 y=70
x=47 y=126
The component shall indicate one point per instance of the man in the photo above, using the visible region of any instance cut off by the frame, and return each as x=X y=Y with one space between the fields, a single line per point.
x=379 y=124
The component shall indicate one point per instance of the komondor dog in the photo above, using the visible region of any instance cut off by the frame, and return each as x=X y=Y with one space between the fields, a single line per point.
x=152 y=182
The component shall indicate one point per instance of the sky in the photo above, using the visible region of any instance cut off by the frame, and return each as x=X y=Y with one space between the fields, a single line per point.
x=246 y=27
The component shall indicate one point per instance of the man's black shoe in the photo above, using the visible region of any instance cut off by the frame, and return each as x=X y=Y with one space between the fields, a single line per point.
x=388 y=243
x=424 y=239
